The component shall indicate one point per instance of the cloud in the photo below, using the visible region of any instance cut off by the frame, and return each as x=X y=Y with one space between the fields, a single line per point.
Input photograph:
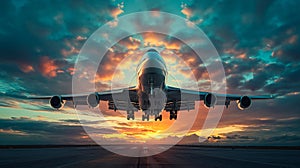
x=131 y=43
x=28 y=34
x=186 y=11
x=48 y=67
x=12 y=132
x=244 y=39
x=26 y=68
x=115 y=12
x=25 y=131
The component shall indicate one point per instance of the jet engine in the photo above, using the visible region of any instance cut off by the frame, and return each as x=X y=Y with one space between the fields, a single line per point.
x=57 y=102
x=210 y=100
x=244 y=102
x=93 y=100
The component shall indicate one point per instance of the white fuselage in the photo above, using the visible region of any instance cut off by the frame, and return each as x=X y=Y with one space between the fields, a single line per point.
x=151 y=72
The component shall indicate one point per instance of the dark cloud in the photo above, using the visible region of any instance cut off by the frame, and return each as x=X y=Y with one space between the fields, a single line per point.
x=288 y=53
x=251 y=28
x=237 y=136
x=36 y=30
x=284 y=139
x=26 y=131
x=259 y=80
x=234 y=81
x=214 y=137
x=288 y=82
x=23 y=130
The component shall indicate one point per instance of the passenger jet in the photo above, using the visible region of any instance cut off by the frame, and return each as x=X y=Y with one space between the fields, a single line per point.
x=152 y=95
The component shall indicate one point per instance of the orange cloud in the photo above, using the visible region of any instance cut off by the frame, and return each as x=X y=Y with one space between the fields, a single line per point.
x=188 y=14
x=238 y=53
x=71 y=51
x=160 y=40
x=115 y=12
x=186 y=11
x=232 y=51
x=229 y=128
x=153 y=39
x=71 y=70
x=131 y=43
x=26 y=68
x=48 y=67
x=80 y=38
x=13 y=132
x=107 y=68
x=173 y=45
x=103 y=77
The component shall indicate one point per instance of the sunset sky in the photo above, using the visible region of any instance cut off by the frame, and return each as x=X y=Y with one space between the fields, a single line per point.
x=258 y=42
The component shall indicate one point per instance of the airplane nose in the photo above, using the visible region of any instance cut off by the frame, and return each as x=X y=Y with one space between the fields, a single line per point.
x=152 y=50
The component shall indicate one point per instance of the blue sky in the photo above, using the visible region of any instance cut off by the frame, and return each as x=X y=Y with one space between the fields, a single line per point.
x=258 y=42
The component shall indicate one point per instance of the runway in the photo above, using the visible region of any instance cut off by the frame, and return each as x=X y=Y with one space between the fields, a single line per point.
x=177 y=156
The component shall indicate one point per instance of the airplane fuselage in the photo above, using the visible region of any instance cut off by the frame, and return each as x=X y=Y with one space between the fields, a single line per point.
x=151 y=73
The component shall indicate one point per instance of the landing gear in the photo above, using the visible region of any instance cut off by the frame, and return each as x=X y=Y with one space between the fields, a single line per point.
x=158 y=117
x=130 y=115
x=145 y=117
x=173 y=115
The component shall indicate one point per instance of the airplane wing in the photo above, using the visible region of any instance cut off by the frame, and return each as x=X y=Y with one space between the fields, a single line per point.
x=185 y=96
x=127 y=99
x=120 y=96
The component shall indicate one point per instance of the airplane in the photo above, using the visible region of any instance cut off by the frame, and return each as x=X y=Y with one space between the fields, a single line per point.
x=152 y=95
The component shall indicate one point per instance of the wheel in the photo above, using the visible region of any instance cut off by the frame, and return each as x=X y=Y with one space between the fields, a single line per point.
x=128 y=118
x=147 y=117
x=156 y=117
x=143 y=117
x=132 y=117
x=172 y=115
x=160 y=117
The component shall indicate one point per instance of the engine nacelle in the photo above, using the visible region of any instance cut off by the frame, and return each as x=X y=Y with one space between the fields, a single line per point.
x=210 y=100
x=57 y=102
x=93 y=100
x=244 y=102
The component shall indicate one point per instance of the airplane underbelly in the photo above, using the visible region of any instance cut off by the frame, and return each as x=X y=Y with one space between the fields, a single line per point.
x=151 y=78
x=153 y=102
x=152 y=84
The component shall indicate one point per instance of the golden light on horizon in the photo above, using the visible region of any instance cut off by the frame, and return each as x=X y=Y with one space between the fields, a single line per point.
x=229 y=129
